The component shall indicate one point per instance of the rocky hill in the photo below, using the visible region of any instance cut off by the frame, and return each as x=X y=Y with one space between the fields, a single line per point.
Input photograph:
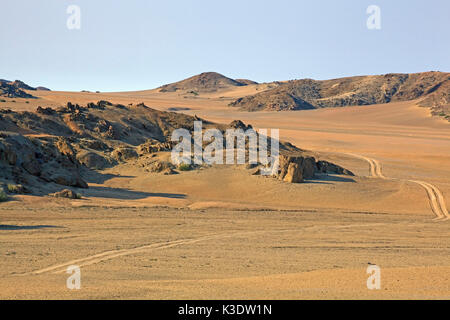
x=50 y=149
x=9 y=90
x=21 y=85
x=205 y=82
x=305 y=94
x=16 y=89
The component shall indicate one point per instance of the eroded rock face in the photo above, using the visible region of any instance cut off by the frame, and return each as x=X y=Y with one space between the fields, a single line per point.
x=49 y=161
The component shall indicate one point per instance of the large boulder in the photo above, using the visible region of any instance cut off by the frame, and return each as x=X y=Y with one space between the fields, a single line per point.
x=304 y=168
x=92 y=160
x=164 y=167
x=294 y=173
x=124 y=154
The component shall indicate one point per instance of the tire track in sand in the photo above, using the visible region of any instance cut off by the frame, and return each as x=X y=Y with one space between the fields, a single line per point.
x=108 y=255
x=437 y=200
x=435 y=196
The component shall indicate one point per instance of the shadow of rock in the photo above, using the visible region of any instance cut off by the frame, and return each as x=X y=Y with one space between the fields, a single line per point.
x=91 y=176
x=328 y=179
x=12 y=227
x=125 y=194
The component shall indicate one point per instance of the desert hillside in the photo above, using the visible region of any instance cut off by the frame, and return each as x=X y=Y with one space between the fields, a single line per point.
x=305 y=94
x=92 y=184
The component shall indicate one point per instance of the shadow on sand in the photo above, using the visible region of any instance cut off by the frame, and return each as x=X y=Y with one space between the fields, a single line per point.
x=91 y=176
x=125 y=194
x=12 y=227
x=329 y=179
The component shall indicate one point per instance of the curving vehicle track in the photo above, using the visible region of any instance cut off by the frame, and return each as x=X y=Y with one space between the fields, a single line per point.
x=435 y=196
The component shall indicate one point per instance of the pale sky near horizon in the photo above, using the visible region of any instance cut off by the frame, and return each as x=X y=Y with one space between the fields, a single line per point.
x=142 y=44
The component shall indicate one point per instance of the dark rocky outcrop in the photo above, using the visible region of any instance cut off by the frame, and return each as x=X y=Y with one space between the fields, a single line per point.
x=10 y=91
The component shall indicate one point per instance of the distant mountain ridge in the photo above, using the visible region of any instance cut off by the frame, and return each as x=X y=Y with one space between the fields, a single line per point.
x=306 y=94
x=205 y=82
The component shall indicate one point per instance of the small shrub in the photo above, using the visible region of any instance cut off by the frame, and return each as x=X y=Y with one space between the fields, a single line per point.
x=3 y=196
x=66 y=193
x=184 y=167
x=27 y=101
x=12 y=188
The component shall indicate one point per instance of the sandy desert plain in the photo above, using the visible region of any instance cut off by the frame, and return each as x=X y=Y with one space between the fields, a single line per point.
x=223 y=233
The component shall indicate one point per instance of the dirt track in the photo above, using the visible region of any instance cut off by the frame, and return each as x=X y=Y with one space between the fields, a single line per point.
x=435 y=196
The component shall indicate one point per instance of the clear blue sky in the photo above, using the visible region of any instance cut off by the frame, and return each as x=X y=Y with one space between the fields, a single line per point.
x=142 y=44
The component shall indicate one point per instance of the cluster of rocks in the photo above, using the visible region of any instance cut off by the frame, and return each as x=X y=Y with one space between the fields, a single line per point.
x=151 y=147
x=60 y=146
